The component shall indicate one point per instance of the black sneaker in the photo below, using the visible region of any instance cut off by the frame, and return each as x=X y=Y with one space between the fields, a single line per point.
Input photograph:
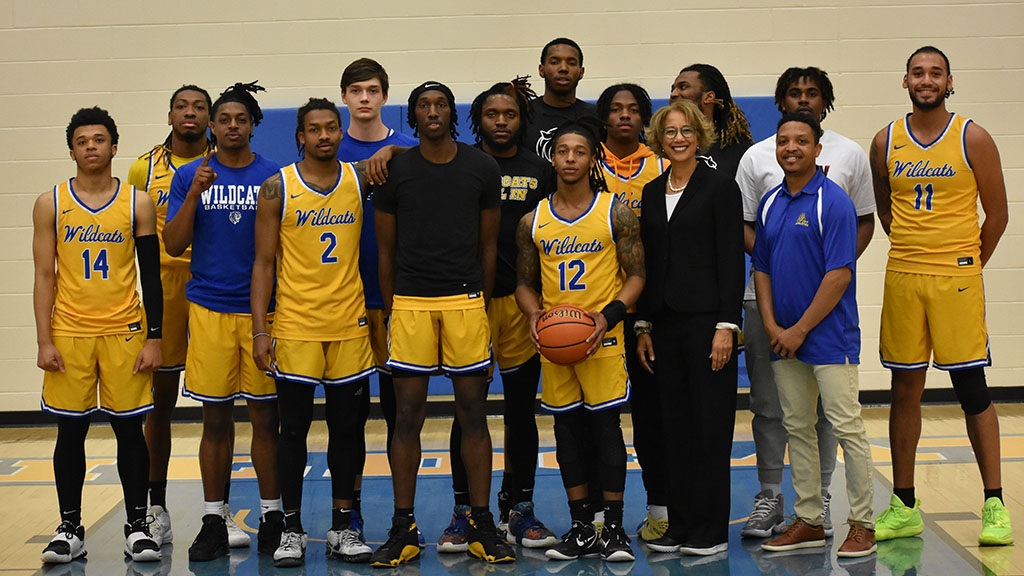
x=403 y=545
x=580 y=541
x=139 y=544
x=484 y=542
x=615 y=544
x=268 y=538
x=212 y=541
x=67 y=544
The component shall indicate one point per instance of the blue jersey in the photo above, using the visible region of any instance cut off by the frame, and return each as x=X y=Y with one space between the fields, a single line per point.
x=799 y=239
x=223 y=239
x=352 y=150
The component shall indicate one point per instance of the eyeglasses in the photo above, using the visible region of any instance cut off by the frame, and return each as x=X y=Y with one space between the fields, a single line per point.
x=671 y=132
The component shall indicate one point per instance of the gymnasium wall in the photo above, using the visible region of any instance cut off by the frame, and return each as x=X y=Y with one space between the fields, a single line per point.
x=58 y=56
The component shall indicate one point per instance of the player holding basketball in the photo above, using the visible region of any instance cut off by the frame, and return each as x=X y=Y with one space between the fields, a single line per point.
x=437 y=221
x=189 y=118
x=930 y=169
x=90 y=328
x=213 y=209
x=582 y=247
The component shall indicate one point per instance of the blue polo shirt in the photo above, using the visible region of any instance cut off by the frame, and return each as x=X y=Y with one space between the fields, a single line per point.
x=223 y=238
x=352 y=150
x=799 y=239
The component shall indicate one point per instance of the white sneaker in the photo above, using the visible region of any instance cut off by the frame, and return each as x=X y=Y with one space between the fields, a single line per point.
x=292 y=551
x=160 y=525
x=237 y=538
x=66 y=545
x=345 y=544
x=139 y=544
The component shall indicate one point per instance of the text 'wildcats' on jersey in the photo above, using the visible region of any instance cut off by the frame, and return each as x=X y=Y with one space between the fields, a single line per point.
x=935 y=226
x=95 y=294
x=153 y=172
x=578 y=261
x=319 y=291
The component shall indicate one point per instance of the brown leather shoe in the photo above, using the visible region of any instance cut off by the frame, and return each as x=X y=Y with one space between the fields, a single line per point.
x=859 y=542
x=799 y=534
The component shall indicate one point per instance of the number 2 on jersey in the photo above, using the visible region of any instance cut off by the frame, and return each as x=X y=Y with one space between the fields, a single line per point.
x=99 y=265
x=332 y=243
x=927 y=192
x=574 y=283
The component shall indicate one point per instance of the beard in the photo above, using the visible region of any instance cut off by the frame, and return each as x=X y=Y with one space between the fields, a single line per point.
x=928 y=105
x=495 y=145
x=191 y=136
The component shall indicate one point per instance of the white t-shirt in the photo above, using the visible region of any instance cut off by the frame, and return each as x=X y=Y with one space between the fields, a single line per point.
x=671 y=201
x=842 y=159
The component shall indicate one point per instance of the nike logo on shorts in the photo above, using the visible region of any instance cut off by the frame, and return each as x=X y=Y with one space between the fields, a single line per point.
x=129 y=339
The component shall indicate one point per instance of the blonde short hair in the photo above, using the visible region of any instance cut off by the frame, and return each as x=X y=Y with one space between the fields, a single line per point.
x=702 y=129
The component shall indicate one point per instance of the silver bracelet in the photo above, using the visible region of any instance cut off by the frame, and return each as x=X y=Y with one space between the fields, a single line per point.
x=727 y=326
x=258 y=334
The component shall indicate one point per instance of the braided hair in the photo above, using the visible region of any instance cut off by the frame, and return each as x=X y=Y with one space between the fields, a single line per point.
x=816 y=75
x=300 y=119
x=242 y=93
x=164 y=148
x=589 y=128
x=520 y=91
x=728 y=117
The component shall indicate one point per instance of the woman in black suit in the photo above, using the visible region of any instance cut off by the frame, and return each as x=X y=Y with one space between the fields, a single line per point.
x=692 y=232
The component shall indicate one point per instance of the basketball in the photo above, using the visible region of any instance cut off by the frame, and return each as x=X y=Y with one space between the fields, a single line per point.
x=562 y=332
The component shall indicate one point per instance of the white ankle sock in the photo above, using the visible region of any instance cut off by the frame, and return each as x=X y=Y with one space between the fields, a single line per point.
x=213 y=507
x=271 y=506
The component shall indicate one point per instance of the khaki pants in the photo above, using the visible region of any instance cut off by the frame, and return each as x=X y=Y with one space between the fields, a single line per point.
x=799 y=385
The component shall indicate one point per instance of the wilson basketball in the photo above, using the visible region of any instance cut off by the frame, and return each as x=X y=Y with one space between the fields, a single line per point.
x=562 y=332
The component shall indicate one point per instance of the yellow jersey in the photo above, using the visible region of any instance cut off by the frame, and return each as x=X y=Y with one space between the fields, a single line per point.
x=578 y=261
x=626 y=177
x=935 y=226
x=95 y=283
x=153 y=172
x=319 y=290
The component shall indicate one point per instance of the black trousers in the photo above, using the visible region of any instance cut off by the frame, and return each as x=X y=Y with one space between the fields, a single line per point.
x=698 y=417
x=648 y=435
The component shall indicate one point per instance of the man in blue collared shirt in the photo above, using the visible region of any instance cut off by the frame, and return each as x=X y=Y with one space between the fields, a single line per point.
x=804 y=260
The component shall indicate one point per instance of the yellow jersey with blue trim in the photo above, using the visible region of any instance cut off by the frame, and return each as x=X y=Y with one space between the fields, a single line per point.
x=319 y=290
x=96 y=277
x=935 y=226
x=578 y=261
x=626 y=177
x=153 y=172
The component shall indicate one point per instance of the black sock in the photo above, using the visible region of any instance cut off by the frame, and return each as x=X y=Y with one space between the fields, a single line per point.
x=613 y=512
x=481 y=515
x=525 y=495
x=581 y=511
x=994 y=493
x=906 y=495
x=73 y=516
x=404 y=514
x=158 y=493
x=293 y=521
x=341 y=518
x=462 y=498
x=357 y=500
x=227 y=489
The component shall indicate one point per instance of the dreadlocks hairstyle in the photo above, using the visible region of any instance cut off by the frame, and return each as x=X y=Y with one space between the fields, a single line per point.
x=242 y=93
x=165 y=147
x=518 y=90
x=300 y=119
x=816 y=75
x=89 y=117
x=604 y=105
x=410 y=116
x=362 y=70
x=589 y=128
x=932 y=50
x=729 y=118
x=556 y=42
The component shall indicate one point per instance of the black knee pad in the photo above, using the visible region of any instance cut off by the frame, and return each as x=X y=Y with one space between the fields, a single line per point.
x=971 y=390
x=569 y=431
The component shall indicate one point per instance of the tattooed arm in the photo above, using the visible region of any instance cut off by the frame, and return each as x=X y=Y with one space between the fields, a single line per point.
x=268 y=229
x=630 y=250
x=880 y=179
x=528 y=275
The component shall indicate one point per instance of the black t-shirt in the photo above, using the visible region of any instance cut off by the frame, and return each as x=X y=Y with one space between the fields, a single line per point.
x=525 y=179
x=547 y=118
x=437 y=217
x=727 y=161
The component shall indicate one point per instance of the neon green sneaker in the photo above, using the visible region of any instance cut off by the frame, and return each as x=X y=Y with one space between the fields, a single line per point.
x=652 y=528
x=899 y=521
x=995 y=524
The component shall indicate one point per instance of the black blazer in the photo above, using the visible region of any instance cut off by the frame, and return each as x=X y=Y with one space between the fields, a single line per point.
x=695 y=260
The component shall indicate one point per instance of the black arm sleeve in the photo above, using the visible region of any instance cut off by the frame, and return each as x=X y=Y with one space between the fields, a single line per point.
x=148 y=250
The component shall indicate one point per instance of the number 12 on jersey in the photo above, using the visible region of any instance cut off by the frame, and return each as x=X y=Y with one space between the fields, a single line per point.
x=575 y=269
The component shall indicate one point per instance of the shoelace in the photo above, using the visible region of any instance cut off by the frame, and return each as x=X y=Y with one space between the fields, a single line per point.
x=142 y=525
x=990 y=516
x=349 y=537
x=858 y=534
x=67 y=529
x=291 y=541
x=762 y=508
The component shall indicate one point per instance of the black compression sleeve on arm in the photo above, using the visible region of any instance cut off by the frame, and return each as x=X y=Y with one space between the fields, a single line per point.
x=148 y=250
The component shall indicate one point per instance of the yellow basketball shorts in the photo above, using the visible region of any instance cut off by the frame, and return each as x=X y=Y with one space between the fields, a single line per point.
x=103 y=362
x=379 y=339
x=510 y=334
x=450 y=332
x=174 y=343
x=327 y=363
x=220 y=367
x=595 y=384
x=923 y=314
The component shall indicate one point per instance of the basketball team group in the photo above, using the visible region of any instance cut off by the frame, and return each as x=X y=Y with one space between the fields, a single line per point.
x=407 y=257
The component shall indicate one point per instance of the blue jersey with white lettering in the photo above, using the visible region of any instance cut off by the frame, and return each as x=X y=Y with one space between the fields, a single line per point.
x=223 y=245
